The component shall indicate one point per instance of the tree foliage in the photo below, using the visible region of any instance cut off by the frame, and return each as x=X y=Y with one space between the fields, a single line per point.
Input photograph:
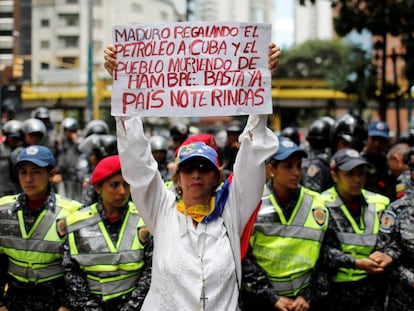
x=345 y=67
x=379 y=17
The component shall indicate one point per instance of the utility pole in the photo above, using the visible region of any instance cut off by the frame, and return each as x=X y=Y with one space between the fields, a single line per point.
x=89 y=98
x=188 y=10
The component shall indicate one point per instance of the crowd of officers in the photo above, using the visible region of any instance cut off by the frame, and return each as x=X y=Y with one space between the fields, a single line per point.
x=334 y=230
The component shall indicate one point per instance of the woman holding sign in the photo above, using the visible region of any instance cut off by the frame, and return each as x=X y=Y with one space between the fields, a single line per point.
x=196 y=261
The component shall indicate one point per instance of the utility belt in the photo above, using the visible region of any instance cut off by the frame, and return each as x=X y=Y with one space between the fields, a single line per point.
x=35 y=289
x=114 y=303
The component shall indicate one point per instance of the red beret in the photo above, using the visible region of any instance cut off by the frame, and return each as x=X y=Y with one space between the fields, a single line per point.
x=208 y=139
x=106 y=168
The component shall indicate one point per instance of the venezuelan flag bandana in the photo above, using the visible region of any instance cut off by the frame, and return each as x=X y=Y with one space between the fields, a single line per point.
x=197 y=212
x=206 y=213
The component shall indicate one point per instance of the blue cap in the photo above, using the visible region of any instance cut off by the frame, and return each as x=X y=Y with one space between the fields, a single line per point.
x=379 y=129
x=197 y=149
x=347 y=159
x=38 y=155
x=286 y=149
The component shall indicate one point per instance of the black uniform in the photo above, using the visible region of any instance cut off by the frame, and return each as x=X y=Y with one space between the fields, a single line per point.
x=396 y=240
x=80 y=298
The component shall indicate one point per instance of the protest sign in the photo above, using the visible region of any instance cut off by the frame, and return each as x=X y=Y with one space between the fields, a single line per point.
x=192 y=69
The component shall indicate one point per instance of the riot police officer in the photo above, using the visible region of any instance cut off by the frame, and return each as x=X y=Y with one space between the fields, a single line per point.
x=159 y=149
x=349 y=131
x=316 y=171
x=13 y=138
x=69 y=154
x=94 y=148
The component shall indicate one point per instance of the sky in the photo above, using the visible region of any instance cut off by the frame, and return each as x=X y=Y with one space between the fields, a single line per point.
x=283 y=26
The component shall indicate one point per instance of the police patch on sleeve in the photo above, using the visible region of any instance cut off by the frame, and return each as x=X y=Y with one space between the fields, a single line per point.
x=312 y=170
x=61 y=227
x=143 y=235
x=319 y=214
x=387 y=222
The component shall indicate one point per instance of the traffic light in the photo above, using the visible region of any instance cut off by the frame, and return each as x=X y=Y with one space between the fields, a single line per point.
x=18 y=64
x=11 y=97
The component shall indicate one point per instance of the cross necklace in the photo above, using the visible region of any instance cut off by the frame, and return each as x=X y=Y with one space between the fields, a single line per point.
x=200 y=255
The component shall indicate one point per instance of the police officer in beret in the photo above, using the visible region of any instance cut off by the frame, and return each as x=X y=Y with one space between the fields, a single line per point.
x=107 y=256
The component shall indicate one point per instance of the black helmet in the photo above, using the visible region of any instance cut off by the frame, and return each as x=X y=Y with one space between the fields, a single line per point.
x=292 y=133
x=103 y=145
x=319 y=133
x=107 y=145
x=328 y=120
x=234 y=126
x=33 y=125
x=158 y=142
x=352 y=129
x=179 y=131
x=41 y=113
x=96 y=127
x=70 y=124
x=12 y=128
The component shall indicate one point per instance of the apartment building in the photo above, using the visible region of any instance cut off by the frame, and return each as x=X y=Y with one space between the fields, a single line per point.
x=61 y=28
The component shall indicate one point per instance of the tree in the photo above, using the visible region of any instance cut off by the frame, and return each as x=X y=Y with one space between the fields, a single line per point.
x=382 y=18
x=345 y=67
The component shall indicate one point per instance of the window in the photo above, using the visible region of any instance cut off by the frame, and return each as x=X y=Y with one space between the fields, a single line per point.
x=44 y=65
x=44 y=23
x=71 y=42
x=44 y=44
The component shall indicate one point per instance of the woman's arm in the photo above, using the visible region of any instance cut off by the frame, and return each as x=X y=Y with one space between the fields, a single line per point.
x=140 y=170
x=257 y=144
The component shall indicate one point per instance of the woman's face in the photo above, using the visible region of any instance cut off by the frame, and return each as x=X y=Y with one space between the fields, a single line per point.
x=197 y=178
x=350 y=183
x=114 y=192
x=34 y=180
x=286 y=174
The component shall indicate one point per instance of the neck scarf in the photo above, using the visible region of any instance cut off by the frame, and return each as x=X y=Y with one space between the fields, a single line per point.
x=198 y=211
x=206 y=213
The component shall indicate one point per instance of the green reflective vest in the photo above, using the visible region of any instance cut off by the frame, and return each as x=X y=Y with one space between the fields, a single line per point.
x=360 y=243
x=34 y=256
x=288 y=251
x=111 y=270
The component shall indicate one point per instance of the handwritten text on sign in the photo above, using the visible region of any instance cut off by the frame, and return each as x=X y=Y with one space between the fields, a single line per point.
x=192 y=69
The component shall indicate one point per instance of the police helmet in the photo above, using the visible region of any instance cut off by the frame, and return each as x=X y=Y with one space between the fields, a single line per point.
x=41 y=113
x=101 y=145
x=158 y=142
x=12 y=128
x=179 y=131
x=107 y=145
x=32 y=125
x=328 y=120
x=292 y=133
x=96 y=127
x=234 y=126
x=319 y=133
x=70 y=124
x=352 y=129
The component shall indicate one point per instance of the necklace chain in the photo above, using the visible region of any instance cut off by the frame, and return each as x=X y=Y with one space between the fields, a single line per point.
x=200 y=255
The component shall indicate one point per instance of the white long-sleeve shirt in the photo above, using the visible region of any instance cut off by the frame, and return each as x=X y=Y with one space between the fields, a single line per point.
x=177 y=270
